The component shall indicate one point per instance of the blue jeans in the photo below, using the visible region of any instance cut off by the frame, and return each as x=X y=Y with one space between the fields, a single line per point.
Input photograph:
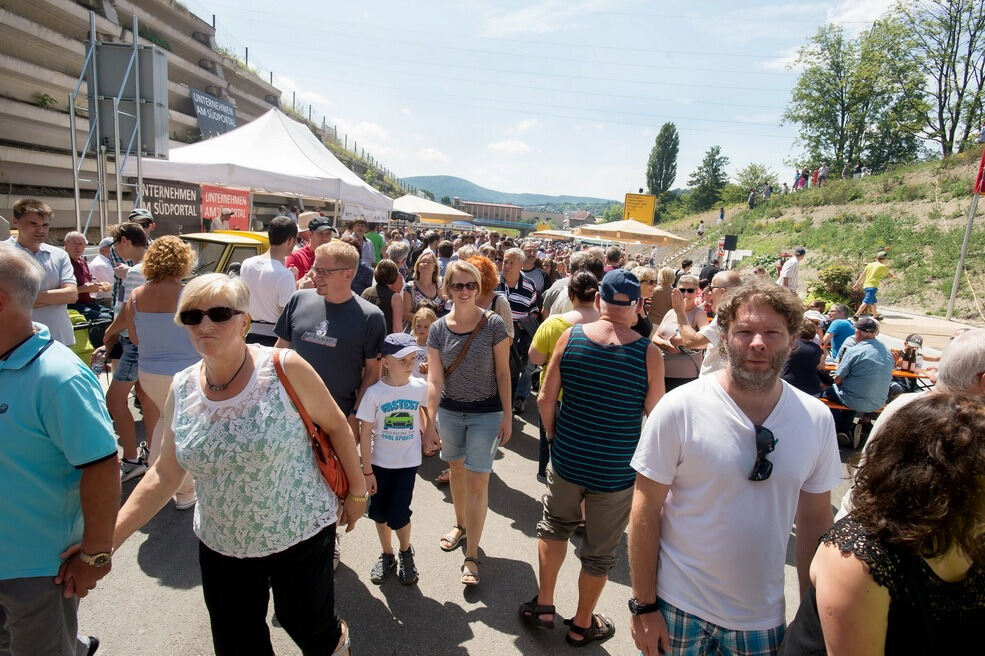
x=469 y=435
x=525 y=382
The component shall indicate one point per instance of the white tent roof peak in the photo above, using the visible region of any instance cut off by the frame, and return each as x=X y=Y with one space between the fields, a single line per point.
x=428 y=208
x=273 y=154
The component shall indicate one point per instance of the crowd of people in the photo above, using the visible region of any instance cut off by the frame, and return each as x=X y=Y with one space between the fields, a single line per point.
x=701 y=412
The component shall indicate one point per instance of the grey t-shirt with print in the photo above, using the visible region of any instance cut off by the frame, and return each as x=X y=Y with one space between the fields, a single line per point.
x=335 y=338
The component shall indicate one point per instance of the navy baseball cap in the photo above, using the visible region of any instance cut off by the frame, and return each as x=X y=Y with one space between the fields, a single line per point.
x=320 y=223
x=867 y=324
x=399 y=345
x=620 y=282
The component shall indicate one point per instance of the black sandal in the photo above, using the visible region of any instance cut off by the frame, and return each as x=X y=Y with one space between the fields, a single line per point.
x=600 y=630
x=531 y=611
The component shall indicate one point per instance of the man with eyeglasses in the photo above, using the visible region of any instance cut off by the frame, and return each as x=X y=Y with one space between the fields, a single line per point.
x=710 y=336
x=337 y=332
x=756 y=454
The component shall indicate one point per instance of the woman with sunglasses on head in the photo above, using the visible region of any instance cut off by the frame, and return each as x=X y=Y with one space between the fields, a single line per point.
x=165 y=348
x=681 y=366
x=469 y=384
x=265 y=517
x=904 y=572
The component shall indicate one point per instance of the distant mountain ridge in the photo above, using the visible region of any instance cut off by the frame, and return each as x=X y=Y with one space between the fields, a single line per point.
x=449 y=185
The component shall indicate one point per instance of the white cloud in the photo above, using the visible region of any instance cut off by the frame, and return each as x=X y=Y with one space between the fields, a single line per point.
x=430 y=154
x=292 y=90
x=510 y=146
x=405 y=111
x=857 y=14
x=526 y=125
x=782 y=62
x=542 y=17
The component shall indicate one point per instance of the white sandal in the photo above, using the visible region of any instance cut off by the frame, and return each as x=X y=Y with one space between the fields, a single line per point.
x=344 y=642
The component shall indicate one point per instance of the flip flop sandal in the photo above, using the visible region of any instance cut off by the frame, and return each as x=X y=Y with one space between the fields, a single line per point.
x=443 y=478
x=531 y=611
x=600 y=630
x=449 y=544
x=469 y=578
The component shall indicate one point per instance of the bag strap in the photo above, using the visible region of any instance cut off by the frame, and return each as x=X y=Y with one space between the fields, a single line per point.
x=465 y=348
x=308 y=424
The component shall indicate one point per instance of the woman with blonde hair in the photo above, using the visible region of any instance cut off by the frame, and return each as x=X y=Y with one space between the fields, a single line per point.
x=165 y=348
x=265 y=517
x=469 y=384
x=425 y=288
x=681 y=366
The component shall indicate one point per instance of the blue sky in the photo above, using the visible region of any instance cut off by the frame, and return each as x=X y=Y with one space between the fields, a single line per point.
x=555 y=97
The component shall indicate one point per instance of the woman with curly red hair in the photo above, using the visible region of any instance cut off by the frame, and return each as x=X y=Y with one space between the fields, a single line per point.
x=904 y=572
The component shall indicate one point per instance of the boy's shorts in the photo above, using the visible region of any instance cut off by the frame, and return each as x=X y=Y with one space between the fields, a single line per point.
x=394 y=492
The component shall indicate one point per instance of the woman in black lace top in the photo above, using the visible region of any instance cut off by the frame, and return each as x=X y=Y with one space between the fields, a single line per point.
x=904 y=573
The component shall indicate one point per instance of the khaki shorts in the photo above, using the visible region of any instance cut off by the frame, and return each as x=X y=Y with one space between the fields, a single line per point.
x=606 y=518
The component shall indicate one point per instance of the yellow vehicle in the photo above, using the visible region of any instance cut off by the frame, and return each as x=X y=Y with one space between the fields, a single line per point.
x=217 y=251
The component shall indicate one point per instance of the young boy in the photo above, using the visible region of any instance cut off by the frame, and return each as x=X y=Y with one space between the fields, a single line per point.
x=392 y=413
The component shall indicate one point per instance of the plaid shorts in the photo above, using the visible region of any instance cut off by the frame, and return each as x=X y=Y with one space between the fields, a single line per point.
x=692 y=636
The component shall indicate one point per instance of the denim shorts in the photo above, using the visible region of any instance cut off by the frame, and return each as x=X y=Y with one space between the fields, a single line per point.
x=469 y=435
x=125 y=370
x=870 y=296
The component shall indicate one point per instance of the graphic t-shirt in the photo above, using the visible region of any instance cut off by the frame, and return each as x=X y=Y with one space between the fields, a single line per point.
x=874 y=273
x=395 y=412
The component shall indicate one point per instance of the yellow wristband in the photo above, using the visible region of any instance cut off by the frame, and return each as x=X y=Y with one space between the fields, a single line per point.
x=362 y=499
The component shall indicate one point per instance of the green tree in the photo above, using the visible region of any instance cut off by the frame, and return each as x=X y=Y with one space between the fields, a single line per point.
x=754 y=176
x=612 y=213
x=446 y=200
x=427 y=194
x=708 y=180
x=945 y=41
x=661 y=169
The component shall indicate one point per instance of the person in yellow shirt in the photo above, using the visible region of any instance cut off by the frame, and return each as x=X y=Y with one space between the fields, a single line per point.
x=868 y=280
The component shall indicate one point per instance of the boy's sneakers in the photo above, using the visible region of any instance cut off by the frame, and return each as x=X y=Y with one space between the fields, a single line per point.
x=385 y=564
x=130 y=469
x=407 y=574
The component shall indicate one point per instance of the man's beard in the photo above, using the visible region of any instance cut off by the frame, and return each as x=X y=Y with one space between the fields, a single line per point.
x=754 y=381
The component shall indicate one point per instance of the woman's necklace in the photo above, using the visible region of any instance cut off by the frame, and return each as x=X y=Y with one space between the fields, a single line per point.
x=220 y=388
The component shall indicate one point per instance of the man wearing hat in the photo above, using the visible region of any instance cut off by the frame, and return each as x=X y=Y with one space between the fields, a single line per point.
x=316 y=230
x=791 y=269
x=610 y=378
x=863 y=376
x=145 y=220
x=868 y=280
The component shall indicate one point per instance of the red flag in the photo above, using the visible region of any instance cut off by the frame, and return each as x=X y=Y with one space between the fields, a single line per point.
x=980 y=180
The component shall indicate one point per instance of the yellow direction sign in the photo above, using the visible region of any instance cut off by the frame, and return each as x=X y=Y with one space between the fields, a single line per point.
x=640 y=207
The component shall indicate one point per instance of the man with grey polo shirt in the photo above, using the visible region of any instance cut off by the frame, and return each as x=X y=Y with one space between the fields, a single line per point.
x=32 y=218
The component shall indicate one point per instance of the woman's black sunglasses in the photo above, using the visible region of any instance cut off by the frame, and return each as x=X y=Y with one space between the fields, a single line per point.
x=459 y=286
x=765 y=443
x=215 y=315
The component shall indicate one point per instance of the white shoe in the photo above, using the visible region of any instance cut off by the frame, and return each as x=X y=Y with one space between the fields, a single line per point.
x=184 y=504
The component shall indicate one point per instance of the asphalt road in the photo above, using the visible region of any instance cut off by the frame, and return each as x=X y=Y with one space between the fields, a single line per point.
x=151 y=603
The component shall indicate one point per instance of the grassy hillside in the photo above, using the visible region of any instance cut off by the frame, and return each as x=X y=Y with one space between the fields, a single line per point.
x=448 y=185
x=917 y=212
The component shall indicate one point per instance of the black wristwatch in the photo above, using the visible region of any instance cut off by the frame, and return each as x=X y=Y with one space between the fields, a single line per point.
x=636 y=608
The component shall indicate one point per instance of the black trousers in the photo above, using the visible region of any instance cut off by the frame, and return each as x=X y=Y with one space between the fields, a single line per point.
x=237 y=593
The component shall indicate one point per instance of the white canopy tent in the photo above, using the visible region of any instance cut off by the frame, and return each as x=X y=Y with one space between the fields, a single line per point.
x=429 y=209
x=272 y=154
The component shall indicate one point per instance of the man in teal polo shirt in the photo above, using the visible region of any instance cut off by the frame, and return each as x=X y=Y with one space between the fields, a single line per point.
x=59 y=476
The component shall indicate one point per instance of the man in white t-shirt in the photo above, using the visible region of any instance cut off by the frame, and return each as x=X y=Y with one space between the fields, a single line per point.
x=791 y=269
x=709 y=337
x=270 y=282
x=719 y=485
x=102 y=268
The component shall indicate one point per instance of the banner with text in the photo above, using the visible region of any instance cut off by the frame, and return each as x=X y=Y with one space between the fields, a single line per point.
x=215 y=199
x=175 y=206
x=214 y=116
